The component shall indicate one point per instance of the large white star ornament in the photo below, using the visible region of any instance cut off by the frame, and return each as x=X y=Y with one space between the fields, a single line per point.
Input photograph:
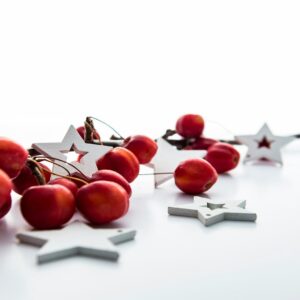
x=209 y=212
x=167 y=159
x=264 y=145
x=72 y=141
x=76 y=239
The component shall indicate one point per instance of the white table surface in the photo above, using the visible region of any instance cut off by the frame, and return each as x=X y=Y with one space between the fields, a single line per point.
x=176 y=257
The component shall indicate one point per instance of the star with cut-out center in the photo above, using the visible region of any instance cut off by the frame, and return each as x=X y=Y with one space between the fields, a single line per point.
x=72 y=141
x=76 y=238
x=167 y=158
x=264 y=145
x=210 y=212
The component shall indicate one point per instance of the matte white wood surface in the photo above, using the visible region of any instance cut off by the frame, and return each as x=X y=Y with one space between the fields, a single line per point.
x=76 y=238
x=272 y=152
x=210 y=212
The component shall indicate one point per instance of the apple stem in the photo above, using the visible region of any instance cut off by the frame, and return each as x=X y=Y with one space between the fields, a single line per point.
x=180 y=144
x=65 y=162
x=37 y=156
x=90 y=131
x=231 y=142
x=66 y=176
x=52 y=162
x=36 y=170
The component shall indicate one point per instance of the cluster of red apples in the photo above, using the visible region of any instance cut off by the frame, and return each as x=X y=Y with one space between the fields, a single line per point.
x=105 y=196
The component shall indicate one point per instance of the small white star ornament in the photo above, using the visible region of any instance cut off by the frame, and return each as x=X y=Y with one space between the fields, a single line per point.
x=167 y=159
x=209 y=212
x=76 y=239
x=72 y=141
x=264 y=145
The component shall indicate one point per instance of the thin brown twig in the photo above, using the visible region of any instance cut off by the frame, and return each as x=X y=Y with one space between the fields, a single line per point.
x=36 y=170
x=52 y=162
x=65 y=176
x=54 y=158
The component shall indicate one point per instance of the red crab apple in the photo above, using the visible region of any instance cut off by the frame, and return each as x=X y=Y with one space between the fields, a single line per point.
x=223 y=157
x=5 y=190
x=70 y=185
x=201 y=143
x=101 y=202
x=142 y=147
x=195 y=176
x=12 y=157
x=47 y=206
x=26 y=179
x=110 y=175
x=190 y=126
x=81 y=131
x=122 y=161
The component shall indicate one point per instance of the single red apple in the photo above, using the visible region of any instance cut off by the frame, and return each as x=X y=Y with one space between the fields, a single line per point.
x=142 y=147
x=190 y=126
x=12 y=157
x=5 y=190
x=223 y=157
x=101 y=202
x=195 y=176
x=110 y=175
x=122 y=161
x=47 y=206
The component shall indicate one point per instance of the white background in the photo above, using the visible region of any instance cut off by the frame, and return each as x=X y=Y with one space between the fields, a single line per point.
x=139 y=65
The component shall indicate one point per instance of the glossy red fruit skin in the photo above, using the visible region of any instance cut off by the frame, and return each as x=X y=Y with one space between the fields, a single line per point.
x=110 y=175
x=102 y=202
x=5 y=190
x=195 y=176
x=26 y=179
x=122 y=161
x=142 y=147
x=47 y=206
x=201 y=143
x=70 y=185
x=190 y=126
x=12 y=157
x=223 y=157
x=81 y=131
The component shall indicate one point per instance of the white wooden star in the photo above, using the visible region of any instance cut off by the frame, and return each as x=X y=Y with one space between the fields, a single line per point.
x=264 y=145
x=209 y=212
x=73 y=141
x=76 y=239
x=167 y=159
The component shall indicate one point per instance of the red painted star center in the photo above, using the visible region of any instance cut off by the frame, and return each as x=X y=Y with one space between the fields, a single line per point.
x=264 y=143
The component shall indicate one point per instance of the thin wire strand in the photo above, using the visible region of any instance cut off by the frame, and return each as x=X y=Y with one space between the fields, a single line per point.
x=54 y=158
x=54 y=163
x=65 y=176
x=114 y=130
x=158 y=173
